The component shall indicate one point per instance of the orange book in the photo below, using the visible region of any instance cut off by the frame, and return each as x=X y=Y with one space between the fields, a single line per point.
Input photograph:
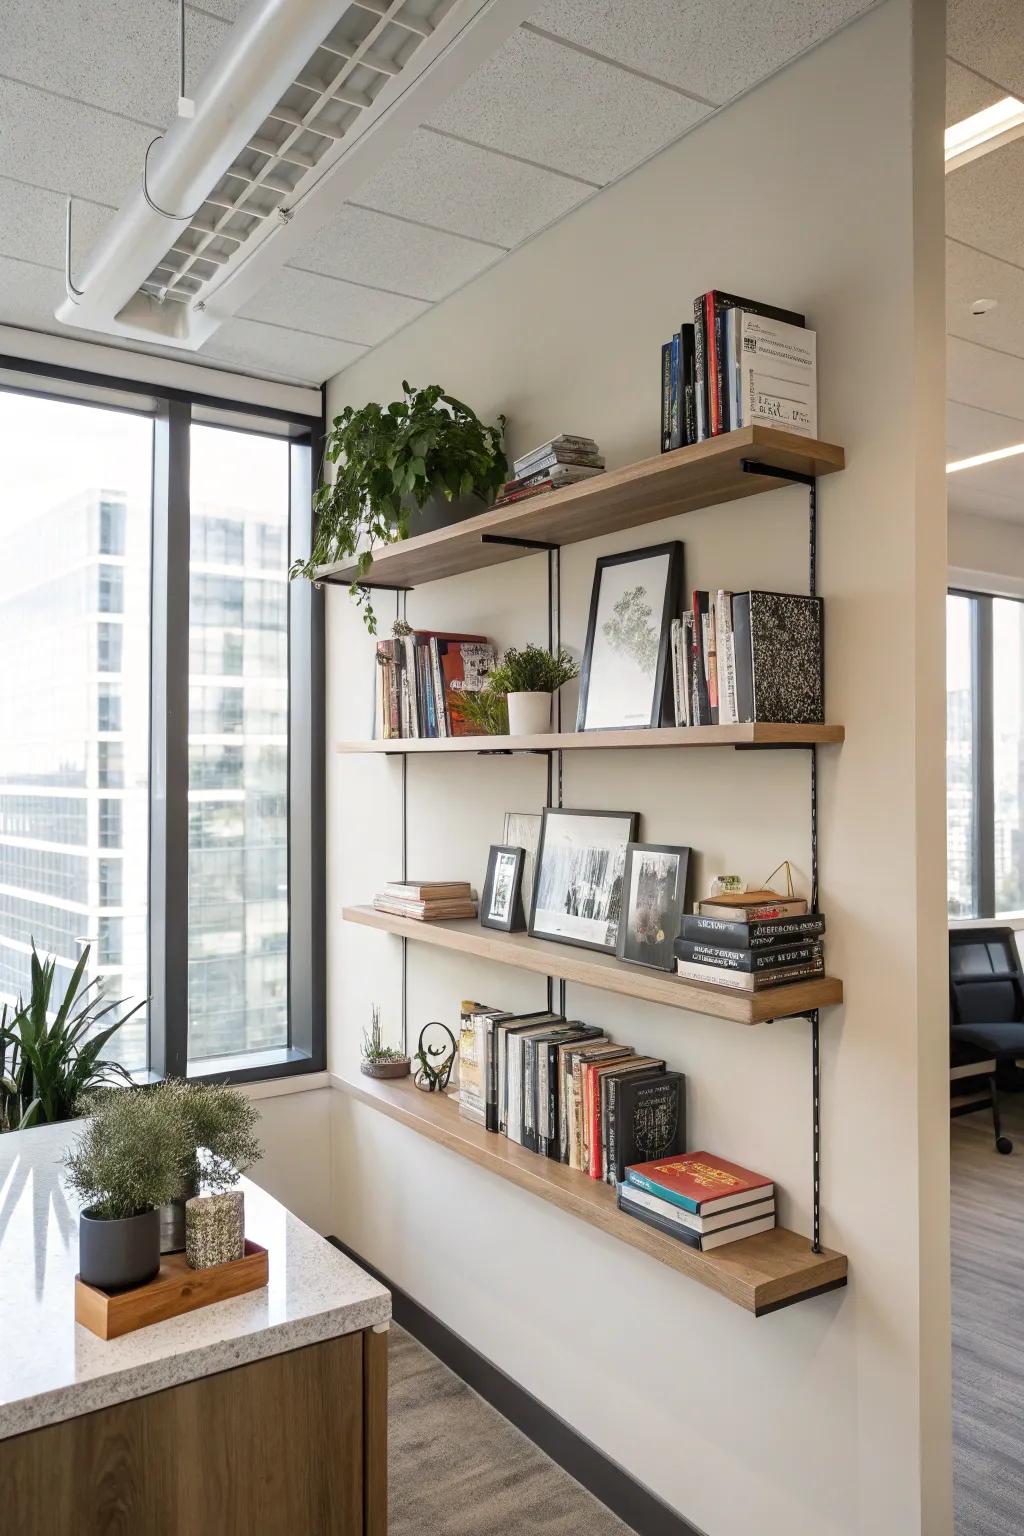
x=699 y=1182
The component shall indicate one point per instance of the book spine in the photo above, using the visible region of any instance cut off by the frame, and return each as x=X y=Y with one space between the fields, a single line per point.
x=660 y=1223
x=641 y=1181
x=611 y=1158
x=765 y=934
x=666 y=396
x=702 y=710
x=750 y=960
x=711 y=367
x=676 y=649
x=594 y=1124
x=722 y=369
x=725 y=656
x=711 y=658
x=529 y=1136
x=719 y=976
x=699 y=379
x=576 y=1144
x=686 y=347
x=675 y=398
x=743 y=657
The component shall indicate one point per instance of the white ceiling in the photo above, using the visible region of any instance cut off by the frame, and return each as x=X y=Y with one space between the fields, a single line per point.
x=578 y=96
x=985 y=259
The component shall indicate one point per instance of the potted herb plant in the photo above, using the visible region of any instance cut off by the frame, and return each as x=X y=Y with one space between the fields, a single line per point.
x=48 y=1063
x=409 y=467
x=381 y=1060
x=129 y=1160
x=529 y=680
x=219 y=1125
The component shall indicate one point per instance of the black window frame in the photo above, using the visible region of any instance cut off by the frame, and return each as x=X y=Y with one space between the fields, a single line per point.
x=173 y=416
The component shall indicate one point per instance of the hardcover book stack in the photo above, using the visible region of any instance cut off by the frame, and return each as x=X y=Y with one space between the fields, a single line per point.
x=561 y=461
x=748 y=656
x=699 y=1199
x=739 y=363
x=564 y=1090
x=419 y=678
x=750 y=941
x=427 y=900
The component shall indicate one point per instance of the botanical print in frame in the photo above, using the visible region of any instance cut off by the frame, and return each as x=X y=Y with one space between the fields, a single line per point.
x=577 y=894
x=625 y=672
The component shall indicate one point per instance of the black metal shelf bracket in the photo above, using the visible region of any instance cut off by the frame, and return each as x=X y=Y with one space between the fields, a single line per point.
x=506 y=538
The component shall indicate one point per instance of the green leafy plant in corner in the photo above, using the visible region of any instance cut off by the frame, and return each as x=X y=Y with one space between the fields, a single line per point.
x=389 y=460
x=132 y=1154
x=373 y=1047
x=47 y=1064
x=220 y=1129
x=532 y=670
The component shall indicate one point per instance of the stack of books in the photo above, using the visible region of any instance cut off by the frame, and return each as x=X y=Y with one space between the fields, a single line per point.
x=751 y=940
x=747 y=656
x=740 y=363
x=561 y=461
x=564 y=1090
x=419 y=678
x=699 y=1199
x=427 y=900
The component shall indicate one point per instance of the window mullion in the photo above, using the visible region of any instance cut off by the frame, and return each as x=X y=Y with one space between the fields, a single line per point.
x=984 y=758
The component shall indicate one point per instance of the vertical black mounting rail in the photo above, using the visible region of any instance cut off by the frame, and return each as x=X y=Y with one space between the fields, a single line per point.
x=555 y=757
x=400 y=598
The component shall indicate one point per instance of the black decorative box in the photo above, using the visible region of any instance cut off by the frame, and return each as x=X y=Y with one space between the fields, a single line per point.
x=779 y=658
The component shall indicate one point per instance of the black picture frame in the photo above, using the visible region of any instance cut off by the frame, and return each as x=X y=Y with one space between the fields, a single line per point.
x=504 y=860
x=636 y=945
x=596 y=713
x=571 y=926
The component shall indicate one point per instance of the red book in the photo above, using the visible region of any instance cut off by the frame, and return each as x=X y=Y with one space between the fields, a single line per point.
x=700 y=1182
x=592 y=1109
x=464 y=666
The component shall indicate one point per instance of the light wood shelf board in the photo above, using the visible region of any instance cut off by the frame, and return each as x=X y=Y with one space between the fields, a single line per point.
x=602 y=741
x=590 y=968
x=762 y=1273
x=685 y=480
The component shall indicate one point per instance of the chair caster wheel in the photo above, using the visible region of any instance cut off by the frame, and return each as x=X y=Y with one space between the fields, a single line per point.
x=1004 y=1144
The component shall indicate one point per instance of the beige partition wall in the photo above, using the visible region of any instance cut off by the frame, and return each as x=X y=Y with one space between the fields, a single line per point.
x=821 y=191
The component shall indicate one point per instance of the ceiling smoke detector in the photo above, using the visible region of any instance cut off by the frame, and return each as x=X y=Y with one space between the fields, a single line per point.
x=983 y=306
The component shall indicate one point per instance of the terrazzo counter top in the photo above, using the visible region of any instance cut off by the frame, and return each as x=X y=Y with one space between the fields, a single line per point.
x=52 y=1369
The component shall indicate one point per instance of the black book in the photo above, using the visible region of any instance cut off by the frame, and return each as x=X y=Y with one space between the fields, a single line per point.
x=660 y=1223
x=687 y=382
x=701 y=697
x=666 y=396
x=700 y=383
x=777 y=640
x=549 y=1089
x=608 y=1085
x=746 y=959
x=761 y=933
x=649 y=1121
x=717 y=373
x=506 y=1031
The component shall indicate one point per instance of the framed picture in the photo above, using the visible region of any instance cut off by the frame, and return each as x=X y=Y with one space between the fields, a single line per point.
x=654 y=901
x=522 y=830
x=501 y=905
x=577 y=893
x=626 y=670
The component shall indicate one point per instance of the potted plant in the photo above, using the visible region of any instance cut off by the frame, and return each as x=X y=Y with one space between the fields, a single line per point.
x=529 y=679
x=219 y=1125
x=46 y=1065
x=485 y=709
x=129 y=1160
x=381 y=1060
x=412 y=466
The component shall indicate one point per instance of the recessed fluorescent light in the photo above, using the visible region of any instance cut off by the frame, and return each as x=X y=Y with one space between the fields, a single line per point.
x=996 y=125
x=985 y=458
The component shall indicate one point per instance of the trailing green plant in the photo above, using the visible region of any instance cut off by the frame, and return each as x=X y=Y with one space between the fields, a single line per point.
x=47 y=1064
x=390 y=460
x=485 y=710
x=220 y=1123
x=132 y=1153
x=532 y=670
x=373 y=1047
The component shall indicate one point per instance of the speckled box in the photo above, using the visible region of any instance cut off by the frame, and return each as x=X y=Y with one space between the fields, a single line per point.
x=778 y=650
x=214 y=1229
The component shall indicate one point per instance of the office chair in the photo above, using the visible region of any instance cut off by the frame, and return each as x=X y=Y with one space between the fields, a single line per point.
x=986 y=1016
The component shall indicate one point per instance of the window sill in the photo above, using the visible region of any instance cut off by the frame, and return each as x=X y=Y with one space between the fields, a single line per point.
x=288 y=1066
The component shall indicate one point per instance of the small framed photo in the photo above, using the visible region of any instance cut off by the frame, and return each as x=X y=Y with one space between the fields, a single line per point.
x=626 y=673
x=522 y=830
x=654 y=900
x=501 y=905
x=578 y=888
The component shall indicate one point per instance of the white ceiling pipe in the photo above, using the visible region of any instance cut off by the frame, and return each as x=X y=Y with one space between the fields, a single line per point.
x=264 y=51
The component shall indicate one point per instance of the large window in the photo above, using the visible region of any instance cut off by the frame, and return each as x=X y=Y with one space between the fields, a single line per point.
x=151 y=640
x=985 y=755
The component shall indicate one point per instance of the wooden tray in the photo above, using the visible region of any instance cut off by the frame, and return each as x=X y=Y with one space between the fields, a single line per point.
x=176 y=1289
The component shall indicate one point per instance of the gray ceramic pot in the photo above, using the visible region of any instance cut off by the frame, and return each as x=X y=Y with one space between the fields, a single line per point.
x=172 y=1218
x=114 y=1255
x=437 y=512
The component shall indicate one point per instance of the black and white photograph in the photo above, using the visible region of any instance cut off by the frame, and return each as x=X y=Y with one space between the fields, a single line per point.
x=654 y=886
x=501 y=905
x=626 y=671
x=578 y=893
x=522 y=830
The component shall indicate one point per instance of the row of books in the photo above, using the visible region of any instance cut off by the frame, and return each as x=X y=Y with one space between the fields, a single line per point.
x=699 y=1199
x=427 y=901
x=739 y=363
x=751 y=940
x=561 y=461
x=747 y=656
x=419 y=678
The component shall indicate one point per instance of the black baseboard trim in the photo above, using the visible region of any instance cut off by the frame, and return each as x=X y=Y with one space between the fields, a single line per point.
x=636 y=1505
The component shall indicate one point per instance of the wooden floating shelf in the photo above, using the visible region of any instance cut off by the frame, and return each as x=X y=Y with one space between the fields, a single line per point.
x=577 y=741
x=701 y=475
x=761 y=1274
x=590 y=968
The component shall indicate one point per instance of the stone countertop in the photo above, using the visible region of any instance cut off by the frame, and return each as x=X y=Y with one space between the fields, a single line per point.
x=53 y=1369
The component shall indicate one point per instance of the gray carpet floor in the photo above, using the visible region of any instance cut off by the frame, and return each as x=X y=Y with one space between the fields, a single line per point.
x=988 y=1324
x=457 y=1468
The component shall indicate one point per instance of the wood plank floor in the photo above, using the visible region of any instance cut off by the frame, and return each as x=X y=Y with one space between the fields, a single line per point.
x=988 y=1325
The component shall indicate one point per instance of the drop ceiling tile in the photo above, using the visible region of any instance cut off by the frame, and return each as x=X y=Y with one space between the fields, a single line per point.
x=121 y=55
x=468 y=191
x=269 y=351
x=67 y=147
x=381 y=252
x=230 y=10
x=325 y=306
x=560 y=108
x=967 y=93
x=972 y=275
x=709 y=49
x=987 y=36
x=984 y=206
x=970 y=431
x=965 y=495
x=992 y=381
x=32 y=225
x=29 y=295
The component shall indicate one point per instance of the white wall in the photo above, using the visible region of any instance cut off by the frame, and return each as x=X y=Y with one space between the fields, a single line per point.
x=831 y=1417
x=295 y=1132
x=986 y=553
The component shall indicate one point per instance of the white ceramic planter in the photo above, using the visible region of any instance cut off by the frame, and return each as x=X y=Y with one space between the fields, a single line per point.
x=529 y=714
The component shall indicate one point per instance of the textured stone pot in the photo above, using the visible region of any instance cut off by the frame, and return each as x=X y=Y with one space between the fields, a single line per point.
x=114 y=1255
x=529 y=714
x=386 y=1068
x=215 y=1229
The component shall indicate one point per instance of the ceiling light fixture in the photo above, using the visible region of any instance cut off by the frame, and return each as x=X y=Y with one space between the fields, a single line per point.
x=978 y=135
x=985 y=458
